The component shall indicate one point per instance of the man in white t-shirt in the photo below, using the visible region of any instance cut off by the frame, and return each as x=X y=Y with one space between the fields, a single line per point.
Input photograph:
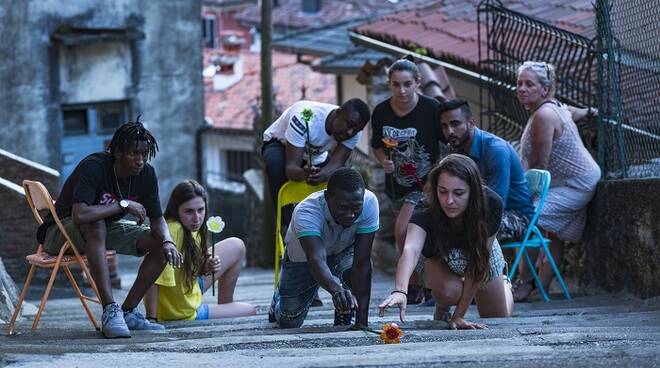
x=333 y=133
x=328 y=245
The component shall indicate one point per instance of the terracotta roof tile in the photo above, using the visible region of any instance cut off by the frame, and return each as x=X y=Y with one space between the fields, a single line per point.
x=233 y=108
x=288 y=14
x=448 y=29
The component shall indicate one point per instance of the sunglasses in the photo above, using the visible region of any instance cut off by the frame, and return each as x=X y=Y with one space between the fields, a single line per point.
x=545 y=67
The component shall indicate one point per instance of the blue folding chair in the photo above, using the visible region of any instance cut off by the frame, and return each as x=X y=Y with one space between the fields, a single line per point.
x=538 y=182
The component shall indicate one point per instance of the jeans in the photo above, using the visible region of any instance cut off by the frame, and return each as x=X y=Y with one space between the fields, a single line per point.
x=274 y=154
x=295 y=291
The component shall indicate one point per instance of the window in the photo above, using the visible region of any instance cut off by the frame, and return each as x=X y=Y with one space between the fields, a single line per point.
x=237 y=163
x=110 y=116
x=75 y=122
x=209 y=31
x=94 y=119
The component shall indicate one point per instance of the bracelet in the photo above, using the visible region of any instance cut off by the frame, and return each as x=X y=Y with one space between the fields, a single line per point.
x=169 y=241
x=400 y=292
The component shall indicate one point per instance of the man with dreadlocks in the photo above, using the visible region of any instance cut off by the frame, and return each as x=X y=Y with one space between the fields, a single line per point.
x=328 y=244
x=101 y=191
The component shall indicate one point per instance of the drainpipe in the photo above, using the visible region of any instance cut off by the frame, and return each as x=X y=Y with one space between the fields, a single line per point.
x=199 y=140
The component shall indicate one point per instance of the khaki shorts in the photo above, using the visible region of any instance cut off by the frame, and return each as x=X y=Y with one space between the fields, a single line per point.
x=121 y=236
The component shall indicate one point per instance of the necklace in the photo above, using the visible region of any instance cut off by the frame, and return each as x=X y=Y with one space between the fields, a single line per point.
x=130 y=184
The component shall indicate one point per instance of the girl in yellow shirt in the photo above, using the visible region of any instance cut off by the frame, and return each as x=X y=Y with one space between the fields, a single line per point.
x=177 y=294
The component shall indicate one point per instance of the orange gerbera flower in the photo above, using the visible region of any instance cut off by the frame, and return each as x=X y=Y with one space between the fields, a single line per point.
x=390 y=142
x=391 y=333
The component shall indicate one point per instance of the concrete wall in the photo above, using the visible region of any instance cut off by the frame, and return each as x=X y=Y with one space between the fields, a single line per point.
x=18 y=225
x=622 y=238
x=164 y=69
x=352 y=89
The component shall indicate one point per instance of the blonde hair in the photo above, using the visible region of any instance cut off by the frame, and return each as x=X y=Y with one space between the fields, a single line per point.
x=545 y=73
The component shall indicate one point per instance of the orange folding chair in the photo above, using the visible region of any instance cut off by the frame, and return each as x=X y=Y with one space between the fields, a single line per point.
x=291 y=192
x=39 y=199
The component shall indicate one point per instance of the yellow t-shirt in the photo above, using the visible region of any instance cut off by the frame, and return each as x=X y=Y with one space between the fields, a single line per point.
x=173 y=302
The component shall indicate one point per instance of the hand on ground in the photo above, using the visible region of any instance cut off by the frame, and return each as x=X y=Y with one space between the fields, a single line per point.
x=344 y=301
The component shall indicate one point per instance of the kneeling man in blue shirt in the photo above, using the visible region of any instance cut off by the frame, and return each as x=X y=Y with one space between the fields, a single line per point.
x=328 y=244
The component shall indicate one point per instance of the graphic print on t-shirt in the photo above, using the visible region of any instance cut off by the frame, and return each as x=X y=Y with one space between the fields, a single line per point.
x=110 y=198
x=411 y=159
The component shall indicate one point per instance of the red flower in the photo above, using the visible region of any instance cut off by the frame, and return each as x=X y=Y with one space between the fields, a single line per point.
x=409 y=168
x=391 y=333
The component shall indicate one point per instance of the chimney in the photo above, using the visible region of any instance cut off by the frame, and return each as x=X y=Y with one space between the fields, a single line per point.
x=311 y=6
x=232 y=41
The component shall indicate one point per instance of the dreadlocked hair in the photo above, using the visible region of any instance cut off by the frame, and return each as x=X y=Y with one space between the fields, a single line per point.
x=132 y=133
x=194 y=252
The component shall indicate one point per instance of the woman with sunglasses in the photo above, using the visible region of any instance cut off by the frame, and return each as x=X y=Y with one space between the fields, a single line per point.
x=551 y=142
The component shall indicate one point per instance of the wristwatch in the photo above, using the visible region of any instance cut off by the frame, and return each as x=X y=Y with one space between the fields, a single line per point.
x=123 y=204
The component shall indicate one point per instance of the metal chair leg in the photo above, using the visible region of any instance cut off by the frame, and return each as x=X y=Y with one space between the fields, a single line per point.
x=537 y=279
x=556 y=271
x=277 y=265
x=44 y=298
x=21 y=298
x=81 y=297
x=91 y=281
x=514 y=266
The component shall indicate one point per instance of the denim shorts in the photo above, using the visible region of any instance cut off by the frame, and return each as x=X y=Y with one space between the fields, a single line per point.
x=203 y=309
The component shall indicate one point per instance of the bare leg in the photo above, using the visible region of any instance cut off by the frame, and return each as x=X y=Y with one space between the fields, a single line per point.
x=446 y=286
x=151 y=267
x=94 y=234
x=495 y=299
x=229 y=310
x=525 y=273
x=151 y=301
x=231 y=252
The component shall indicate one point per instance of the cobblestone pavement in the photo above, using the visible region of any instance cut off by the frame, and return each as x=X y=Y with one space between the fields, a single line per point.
x=602 y=330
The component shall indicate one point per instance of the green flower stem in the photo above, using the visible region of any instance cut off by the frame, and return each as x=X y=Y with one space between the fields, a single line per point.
x=309 y=145
x=213 y=256
x=365 y=329
x=389 y=154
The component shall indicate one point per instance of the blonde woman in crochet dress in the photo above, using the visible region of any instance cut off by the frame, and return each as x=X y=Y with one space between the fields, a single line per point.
x=551 y=142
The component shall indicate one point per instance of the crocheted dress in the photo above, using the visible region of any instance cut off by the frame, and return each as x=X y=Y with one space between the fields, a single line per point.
x=574 y=178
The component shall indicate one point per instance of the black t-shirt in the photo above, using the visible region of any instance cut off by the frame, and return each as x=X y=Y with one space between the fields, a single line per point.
x=93 y=182
x=417 y=136
x=454 y=238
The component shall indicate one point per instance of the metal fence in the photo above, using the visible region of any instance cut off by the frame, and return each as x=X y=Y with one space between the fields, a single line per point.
x=628 y=43
x=512 y=38
x=618 y=71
